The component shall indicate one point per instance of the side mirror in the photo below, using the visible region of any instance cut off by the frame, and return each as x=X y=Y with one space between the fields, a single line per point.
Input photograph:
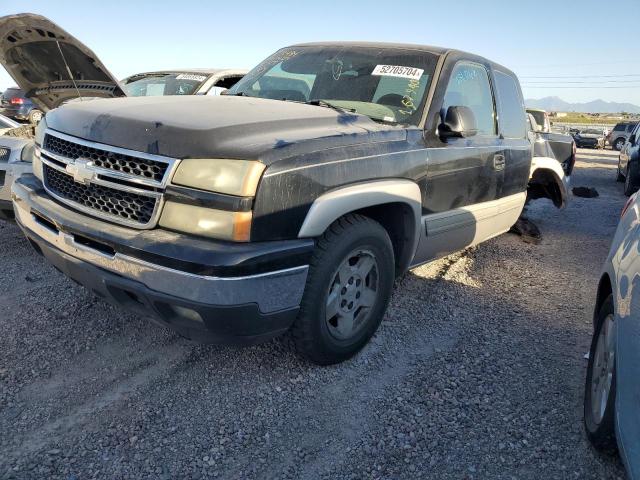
x=458 y=122
x=632 y=139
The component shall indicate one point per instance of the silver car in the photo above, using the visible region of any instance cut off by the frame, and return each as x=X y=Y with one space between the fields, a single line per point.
x=620 y=134
x=15 y=159
x=612 y=391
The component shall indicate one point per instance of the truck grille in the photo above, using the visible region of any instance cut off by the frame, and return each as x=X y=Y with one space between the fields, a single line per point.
x=137 y=167
x=115 y=184
x=120 y=204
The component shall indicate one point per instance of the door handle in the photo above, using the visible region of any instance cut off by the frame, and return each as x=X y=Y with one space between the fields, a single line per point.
x=498 y=161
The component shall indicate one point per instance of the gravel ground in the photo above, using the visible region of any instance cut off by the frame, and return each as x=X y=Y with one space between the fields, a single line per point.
x=476 y=372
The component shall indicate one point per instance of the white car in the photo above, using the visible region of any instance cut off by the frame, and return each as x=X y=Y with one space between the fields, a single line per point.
x=612 y=390
x=181 y=82
x=13 y=152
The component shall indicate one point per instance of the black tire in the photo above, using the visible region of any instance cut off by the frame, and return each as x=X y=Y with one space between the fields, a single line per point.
x=312 y=331
x=630 y=182
x=35 y=116
x=618 y=144
x=601 y=433
x=619 y=176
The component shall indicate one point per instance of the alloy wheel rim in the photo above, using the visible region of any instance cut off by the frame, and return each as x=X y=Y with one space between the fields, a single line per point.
x=37 y=116
x=603 y=369
x=352 y=293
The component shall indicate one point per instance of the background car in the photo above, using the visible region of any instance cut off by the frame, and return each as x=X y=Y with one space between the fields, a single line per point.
x=589 y=138
x=7 y=124
x=14 y=161
x=182 y=82
x=620 y=133
x=611 y=414
x=15 y=105
x=629 y=163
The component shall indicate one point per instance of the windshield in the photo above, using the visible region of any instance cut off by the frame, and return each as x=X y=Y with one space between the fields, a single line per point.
x=386 y=84
x=158 y=84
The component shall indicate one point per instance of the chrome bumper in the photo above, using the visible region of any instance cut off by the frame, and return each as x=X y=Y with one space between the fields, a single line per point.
x=272 y=291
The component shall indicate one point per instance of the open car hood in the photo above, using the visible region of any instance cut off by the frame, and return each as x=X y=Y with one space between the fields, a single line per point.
x=51 y=65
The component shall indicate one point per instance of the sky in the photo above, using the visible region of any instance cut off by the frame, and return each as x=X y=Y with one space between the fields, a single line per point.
x=573 y=50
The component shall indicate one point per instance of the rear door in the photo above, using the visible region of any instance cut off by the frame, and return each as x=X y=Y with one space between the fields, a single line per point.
x=513 y=134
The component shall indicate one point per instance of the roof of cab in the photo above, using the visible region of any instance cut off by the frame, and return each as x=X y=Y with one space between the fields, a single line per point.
x=406 y=46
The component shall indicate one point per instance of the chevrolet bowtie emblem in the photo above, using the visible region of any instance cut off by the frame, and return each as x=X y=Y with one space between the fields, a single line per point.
x=81 y=171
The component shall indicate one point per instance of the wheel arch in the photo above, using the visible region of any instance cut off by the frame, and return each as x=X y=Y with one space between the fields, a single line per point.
x=548 y=180
x=396 y=204
x=605 y=288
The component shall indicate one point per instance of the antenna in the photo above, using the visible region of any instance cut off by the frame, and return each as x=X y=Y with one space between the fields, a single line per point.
x=69 y=70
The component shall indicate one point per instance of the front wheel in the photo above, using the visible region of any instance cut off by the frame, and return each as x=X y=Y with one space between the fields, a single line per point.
x=348 y=289
x=600 y=387
x=618 y=144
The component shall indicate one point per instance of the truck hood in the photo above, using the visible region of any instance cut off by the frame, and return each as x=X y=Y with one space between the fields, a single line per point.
x=217 y=127
x=51 y=65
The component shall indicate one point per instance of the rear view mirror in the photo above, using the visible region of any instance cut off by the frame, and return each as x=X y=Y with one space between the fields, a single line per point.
x=458 y=122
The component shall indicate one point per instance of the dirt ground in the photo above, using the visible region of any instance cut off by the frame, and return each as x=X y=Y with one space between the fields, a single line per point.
x=476 y=372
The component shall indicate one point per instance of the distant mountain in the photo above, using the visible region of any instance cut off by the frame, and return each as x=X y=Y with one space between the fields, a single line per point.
x=556 y=104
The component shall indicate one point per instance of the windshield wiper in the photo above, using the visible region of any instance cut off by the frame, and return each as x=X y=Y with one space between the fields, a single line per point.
x=324 y=103
x=237 y=94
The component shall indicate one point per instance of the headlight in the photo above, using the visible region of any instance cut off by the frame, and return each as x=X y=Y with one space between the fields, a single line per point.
x=40 y=129
x=232 y=177
x=208 y=222
x=27 y=152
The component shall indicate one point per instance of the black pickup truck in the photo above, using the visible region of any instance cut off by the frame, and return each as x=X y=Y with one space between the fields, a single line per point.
x=292 y=202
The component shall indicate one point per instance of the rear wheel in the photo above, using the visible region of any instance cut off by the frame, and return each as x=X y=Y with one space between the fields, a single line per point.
x=600 y=387
x=35 y=116
x=618 y=144
x=350 y=281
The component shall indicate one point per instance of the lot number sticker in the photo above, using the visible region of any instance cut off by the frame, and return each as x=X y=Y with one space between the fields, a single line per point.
x=397 y=71
x=189 y=76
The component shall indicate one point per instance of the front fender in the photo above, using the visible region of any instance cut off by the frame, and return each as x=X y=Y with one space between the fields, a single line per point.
x=334 y=204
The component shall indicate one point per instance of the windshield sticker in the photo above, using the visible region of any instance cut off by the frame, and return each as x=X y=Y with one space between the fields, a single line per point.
x=191 y=76
x=397 y=71
x=410 y=97
x=274 y=59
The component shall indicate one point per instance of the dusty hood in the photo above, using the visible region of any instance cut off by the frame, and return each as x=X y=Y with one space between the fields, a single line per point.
x=216 y=127
x=51 y=65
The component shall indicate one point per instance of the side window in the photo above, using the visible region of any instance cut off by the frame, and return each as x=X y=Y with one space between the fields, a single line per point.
x=469 y=87
x=630 y=127
x=511 y=114
x=619 y=127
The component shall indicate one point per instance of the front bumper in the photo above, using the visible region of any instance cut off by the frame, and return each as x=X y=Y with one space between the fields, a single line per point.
x=206 y=290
